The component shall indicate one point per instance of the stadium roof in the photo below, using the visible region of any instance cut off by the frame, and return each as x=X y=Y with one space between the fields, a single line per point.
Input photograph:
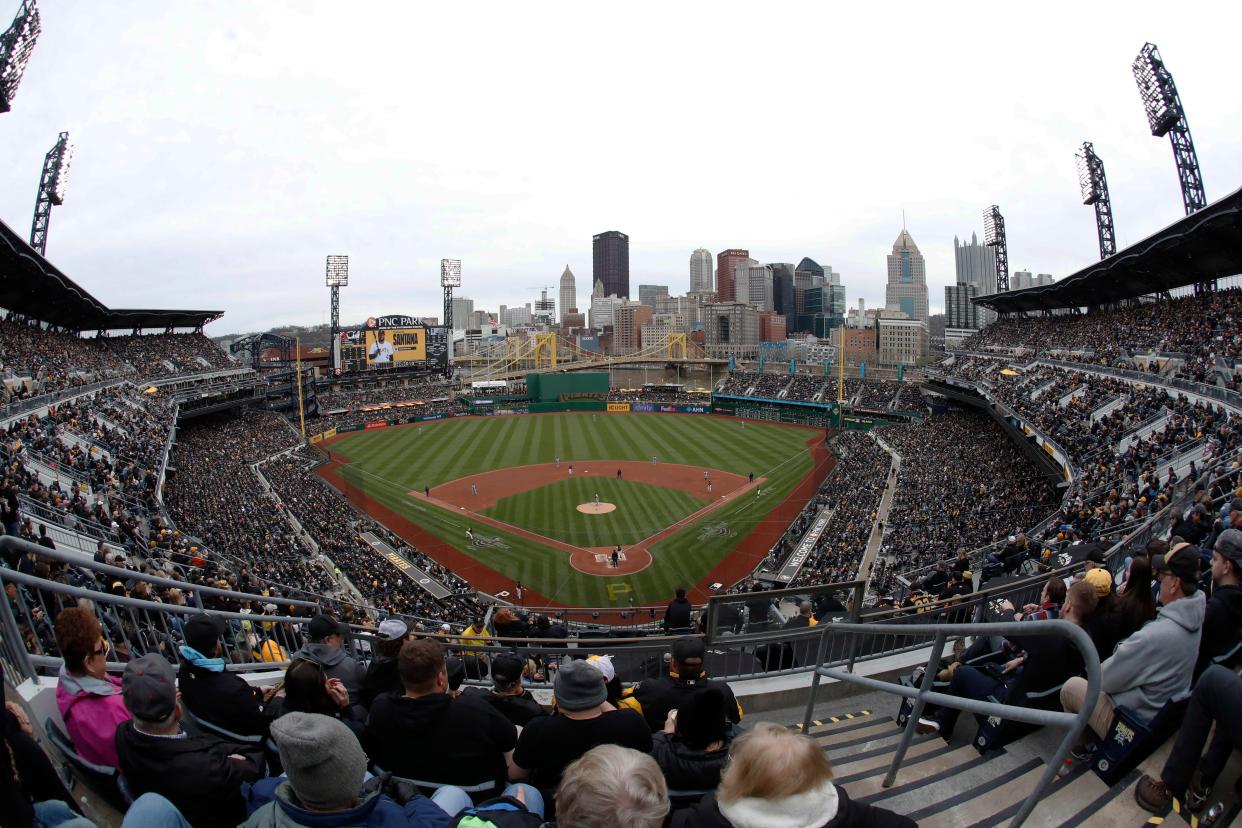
x=32 y=286
x=1203 y=246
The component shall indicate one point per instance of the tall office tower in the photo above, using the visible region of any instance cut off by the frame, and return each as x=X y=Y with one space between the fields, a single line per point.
x=976 y=265
x=959 y=311
x=597 y=290
x=783 y=289
x=569 y=293
x=701 y=270
x=752 y=284
x=650 y=294
x=462 y=308
x=611 y=264
x=726 y=260
x=1021 y=280
x=907 y=279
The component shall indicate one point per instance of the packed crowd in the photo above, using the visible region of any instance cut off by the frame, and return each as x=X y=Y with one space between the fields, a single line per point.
x=1203 y=329
x=335 y=527
x=669 y=396
x=751 y=384
x=154 y=355
x=51 y=361
x=877 y=394
x=400 y=741
x=422 y=390
x=807 y=386
x=962 y=483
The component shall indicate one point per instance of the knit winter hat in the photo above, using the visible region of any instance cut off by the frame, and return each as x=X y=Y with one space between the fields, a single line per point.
x=579 y=686
x=322 y=758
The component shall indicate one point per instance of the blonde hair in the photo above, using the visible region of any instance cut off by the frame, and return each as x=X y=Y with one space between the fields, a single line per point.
x=612 y=785
x=771 y=762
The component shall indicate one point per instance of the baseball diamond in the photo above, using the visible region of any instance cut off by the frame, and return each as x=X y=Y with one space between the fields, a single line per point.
x=432 y=483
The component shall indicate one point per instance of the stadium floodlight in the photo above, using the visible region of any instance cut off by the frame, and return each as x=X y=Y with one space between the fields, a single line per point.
x=337 y=271
x=52 y=185
x=16 y=45
x=1166 y=116
x=450 y=273
x=1094 y=187
x=994 y=236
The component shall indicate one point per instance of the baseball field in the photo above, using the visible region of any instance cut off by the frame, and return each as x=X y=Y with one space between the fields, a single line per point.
x=546 y=499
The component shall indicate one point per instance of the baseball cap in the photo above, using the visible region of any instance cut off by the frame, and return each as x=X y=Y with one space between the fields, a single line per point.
x=604 y=665
x=1182 y=560
x=202 y=631
x=1229 y=545
x=149 y=688
x=688 y=649
x=391 y=629
x=1095 y=555
x=1101 y=580
x=507 y=669
x=322 y=626
x=579 y=686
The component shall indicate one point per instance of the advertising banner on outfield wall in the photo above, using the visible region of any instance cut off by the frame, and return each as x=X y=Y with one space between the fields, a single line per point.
x=429 y=417
x=316 y=438
x=661 y=408
x=376 y=424
x=619 y=407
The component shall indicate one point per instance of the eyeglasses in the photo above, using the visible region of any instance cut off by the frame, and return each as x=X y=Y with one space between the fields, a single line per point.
x=102 y=649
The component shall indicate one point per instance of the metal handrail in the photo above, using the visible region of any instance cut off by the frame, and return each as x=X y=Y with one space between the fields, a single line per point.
x=1074 y=723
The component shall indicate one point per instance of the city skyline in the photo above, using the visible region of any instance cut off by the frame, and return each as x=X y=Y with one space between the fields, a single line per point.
x=219 y=158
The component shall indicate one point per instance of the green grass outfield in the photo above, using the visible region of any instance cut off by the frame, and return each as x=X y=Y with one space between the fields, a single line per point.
x=387 y=464
x=552 y=511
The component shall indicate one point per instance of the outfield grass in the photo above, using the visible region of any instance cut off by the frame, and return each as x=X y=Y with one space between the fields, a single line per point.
x=388 y=464
x=642 y=510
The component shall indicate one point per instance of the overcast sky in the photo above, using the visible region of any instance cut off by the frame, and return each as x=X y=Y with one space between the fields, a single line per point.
x=223 y=149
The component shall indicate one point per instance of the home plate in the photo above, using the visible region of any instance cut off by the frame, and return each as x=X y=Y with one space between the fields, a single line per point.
x=596 y=508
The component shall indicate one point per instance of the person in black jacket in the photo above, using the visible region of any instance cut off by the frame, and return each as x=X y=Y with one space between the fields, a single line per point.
x=1222 y=621
x=693 y=747
x=465 y=738
x=210 y=692
x=382 y=676
x=508 y=696
x=201 y=776
x=771 y=759
x=29 y=784
x=677 y=614
x=654 y=698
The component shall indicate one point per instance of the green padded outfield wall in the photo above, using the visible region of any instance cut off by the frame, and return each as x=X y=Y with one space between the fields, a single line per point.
x=555 y=388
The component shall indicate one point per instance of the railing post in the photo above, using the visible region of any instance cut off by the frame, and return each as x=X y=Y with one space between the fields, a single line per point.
x=855 y=611
x=13 y=638
x=920 y=701
x=819 y=662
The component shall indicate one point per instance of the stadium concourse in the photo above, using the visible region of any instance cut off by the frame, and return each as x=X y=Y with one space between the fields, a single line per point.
x=1082 y=467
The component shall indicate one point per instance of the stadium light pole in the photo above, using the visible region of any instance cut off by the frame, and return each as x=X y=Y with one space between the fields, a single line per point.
x=994 y=236
x=1094 y=187
x=450 y=277
x=336 y=275
x=52 y=184
x=16 y=45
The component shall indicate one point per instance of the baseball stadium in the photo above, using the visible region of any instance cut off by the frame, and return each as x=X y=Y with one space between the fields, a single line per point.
x=425 y=576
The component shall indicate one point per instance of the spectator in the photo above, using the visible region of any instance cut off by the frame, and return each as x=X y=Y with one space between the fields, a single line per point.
x=1222 y=620
x=508 y=625
x=1215 y=700
x=612 y=785
x=1048 y=608
x=89 y=700
x=382 y=676
x=654 y=698
x=508 y=696
x=471 y=738
x=201 y=776
x=212 y=693
x=309 y=689
x=804 y=618
x=326 y=766
x=1134 y=607
x=1154 y=665
x=326 y=637
x=693 y=747
x=584 y=719
x=779 y=777
x=31 y=792
x=677 y=614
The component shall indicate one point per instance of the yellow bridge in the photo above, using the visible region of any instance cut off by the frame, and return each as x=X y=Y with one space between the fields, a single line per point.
x=518 y=355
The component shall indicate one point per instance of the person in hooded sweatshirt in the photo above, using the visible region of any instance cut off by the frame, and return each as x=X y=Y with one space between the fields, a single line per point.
x=1222 y=620
x=326 y=766
x=463 y=739
x=324 y=647
x=693 y=748
x=1155 y=665
x=779 y=778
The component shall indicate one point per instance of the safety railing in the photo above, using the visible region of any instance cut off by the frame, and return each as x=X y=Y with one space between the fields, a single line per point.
x=828 y=666
x=23 y=407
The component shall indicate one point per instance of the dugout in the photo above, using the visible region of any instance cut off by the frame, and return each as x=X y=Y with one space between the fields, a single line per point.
x=570 y=391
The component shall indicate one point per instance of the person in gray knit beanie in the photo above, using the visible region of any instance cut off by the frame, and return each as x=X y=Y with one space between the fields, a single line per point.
x=322 y=758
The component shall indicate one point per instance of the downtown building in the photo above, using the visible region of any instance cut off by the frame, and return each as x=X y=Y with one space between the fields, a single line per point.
x=611 y=263
x=701 y=271
x=906 y=290
x=726 y=262
x=731 y=329
x=628 y=320
x=569 y=293
x=975 y=265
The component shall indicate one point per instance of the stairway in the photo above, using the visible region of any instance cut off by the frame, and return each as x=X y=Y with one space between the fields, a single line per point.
x=950 y=785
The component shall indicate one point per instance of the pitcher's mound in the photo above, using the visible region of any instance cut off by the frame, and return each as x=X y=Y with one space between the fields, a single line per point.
x=594 y=508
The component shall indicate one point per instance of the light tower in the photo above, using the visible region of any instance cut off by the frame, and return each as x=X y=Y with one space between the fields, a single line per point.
x=994 y=236
x=1166 y=117
x=16 y=45
x=1094 y=188
x=450 y=277
x=51 y=190
x=337 y=277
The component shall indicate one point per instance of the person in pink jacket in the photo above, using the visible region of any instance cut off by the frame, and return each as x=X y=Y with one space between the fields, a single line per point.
x=88 y=698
